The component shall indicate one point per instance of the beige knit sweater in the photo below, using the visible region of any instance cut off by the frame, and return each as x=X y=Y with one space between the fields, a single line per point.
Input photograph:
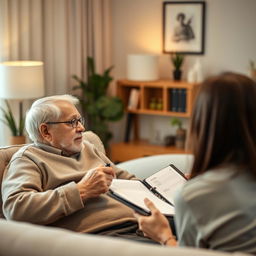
x=39 y=186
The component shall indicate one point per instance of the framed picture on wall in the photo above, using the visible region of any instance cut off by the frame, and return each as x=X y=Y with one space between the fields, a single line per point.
x=183 y=27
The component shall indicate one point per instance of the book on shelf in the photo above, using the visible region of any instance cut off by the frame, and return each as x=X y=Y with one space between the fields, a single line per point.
x=160 y=188
x=174 y=100
x=178 y=99
x=133 y=102
x=182 y=100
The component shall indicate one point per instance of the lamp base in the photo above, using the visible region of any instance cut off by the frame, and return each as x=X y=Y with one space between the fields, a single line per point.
x=14 y=140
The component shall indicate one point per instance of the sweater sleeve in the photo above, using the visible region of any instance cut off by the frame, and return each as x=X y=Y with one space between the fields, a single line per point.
x=25 y=199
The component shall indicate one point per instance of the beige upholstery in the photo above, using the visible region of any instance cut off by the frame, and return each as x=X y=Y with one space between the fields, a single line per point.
x=23 y=239
x=6 y=154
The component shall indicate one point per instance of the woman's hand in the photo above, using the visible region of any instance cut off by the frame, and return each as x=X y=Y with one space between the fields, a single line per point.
x=156 y=226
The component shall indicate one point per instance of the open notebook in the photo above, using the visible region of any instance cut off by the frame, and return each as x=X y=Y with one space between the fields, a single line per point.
x=159 y=188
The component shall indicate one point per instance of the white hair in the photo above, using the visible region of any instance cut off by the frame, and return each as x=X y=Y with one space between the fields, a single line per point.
x=45 y=110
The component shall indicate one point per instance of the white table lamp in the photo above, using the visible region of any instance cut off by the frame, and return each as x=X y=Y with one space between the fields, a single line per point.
x=142 y=67
x=21 y=80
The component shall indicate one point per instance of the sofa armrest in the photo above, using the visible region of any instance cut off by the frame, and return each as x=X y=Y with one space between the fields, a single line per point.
x=146 y=166
x=19 y=238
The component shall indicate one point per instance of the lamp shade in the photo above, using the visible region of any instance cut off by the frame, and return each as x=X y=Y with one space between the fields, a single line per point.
x=21 y=79
x=142 y=67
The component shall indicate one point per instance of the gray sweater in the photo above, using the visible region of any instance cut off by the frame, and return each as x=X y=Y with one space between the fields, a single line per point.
x=39 y=186
x=217 y=210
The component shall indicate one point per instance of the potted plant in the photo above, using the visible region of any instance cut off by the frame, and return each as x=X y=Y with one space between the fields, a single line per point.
x=177 y=61
x=97 y=107
x=16 y=130
x=180 y=133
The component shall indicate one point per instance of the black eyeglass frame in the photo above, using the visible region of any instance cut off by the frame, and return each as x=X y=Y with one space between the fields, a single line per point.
x=74 y=122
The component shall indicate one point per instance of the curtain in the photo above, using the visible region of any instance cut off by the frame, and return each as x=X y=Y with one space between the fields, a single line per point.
x=61 y=33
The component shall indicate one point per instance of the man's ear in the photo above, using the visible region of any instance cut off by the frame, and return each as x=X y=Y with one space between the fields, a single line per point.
x=44 y=132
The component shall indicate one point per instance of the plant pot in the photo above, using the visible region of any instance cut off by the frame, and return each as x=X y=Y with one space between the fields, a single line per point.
x=14 y=140
x=177 y=75
x=169 y=140
x=180 y=138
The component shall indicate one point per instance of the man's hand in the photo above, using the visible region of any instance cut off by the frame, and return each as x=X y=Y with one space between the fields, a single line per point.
x=96 y=183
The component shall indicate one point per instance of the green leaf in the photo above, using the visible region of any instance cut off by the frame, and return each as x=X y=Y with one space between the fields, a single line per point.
x=21 y=126
x=177 y=60
x=111 y=108
x=90 y=66
x=95 y=104
x=176 y=122
x=10 y=121
x=81 y=84
x=107 y=71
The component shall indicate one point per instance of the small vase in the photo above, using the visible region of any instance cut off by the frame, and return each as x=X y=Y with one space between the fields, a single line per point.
x=177 y=75
x=180 y=138
x=15 y=140
x=169 y=140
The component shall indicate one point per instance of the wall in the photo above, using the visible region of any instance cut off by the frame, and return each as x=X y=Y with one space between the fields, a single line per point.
x=230 y=42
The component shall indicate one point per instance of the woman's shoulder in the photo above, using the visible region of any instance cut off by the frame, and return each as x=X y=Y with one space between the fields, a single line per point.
x=208 y=183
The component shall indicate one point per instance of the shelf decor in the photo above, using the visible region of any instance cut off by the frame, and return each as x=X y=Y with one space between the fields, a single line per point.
x=177 y=61
x=183 y=27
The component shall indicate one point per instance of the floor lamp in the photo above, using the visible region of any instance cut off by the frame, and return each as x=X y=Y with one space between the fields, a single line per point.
x=19 y=80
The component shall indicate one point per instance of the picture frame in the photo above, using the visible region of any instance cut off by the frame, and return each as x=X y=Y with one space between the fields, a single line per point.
x=184 y=27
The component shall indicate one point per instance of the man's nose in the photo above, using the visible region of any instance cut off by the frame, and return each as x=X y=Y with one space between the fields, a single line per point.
x=80 y=127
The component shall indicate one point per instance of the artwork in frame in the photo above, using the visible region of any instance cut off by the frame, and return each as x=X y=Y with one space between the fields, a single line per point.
x=183 y=27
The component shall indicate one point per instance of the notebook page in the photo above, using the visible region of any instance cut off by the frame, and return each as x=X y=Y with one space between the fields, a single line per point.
x=134 y=191
x=166 y=182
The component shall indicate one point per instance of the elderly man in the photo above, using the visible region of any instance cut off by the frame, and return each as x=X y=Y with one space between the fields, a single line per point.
x=49 y=182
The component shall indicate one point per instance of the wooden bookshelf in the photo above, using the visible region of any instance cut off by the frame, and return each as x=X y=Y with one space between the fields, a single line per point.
x=161 y=90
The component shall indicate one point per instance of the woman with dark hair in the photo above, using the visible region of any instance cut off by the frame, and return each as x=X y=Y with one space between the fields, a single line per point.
x=216 y=208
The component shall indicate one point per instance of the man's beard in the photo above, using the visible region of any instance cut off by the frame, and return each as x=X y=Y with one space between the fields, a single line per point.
x=70 y=150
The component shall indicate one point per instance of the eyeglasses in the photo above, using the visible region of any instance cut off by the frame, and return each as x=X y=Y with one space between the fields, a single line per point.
x=74 y=122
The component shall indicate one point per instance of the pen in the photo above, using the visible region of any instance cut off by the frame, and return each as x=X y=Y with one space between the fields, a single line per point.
x=108 y=165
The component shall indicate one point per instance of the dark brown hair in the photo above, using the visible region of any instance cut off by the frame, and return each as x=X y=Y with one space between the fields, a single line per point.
x=223 y=123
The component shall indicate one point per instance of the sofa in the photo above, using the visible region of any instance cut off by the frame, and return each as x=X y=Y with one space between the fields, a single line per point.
x=19 y=238
x=23 y=239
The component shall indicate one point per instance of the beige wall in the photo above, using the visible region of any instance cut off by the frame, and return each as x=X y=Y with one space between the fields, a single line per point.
x=230 y=42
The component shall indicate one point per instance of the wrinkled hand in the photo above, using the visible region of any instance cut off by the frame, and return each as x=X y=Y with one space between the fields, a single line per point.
x=96 y=183
x=155 y=226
